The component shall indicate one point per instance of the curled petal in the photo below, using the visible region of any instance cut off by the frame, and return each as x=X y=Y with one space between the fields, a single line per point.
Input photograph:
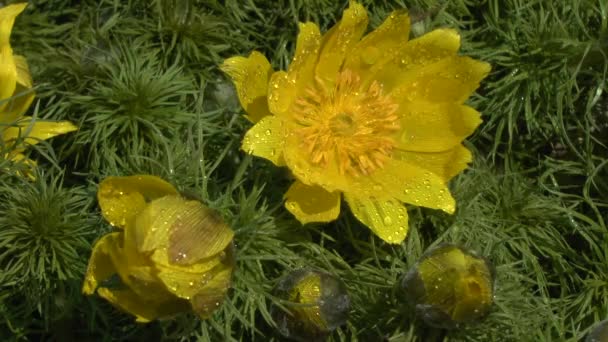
x=121 y=198
x=339 y=41
x=188 y=231
x=312 y=203
x=143 y=308
x=23 y=72
x=266 y=139
x=386 y=218
x=185 y=281
x=23 y=95
x=8 y=75
x=197 y=234
x=435 y=127
x=210 y=297
x=250 y=76
x=101 y=266
x=7 y=20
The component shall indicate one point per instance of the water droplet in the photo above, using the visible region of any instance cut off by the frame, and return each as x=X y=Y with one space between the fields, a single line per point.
x=387 y=220
x=268 y=132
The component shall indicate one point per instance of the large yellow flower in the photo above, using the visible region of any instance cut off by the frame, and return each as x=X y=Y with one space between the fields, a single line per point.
x=16 y=130
x=379 y=119
x=172 y=254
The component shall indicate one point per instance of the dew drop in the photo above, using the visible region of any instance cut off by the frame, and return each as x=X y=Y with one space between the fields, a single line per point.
x=387 y=220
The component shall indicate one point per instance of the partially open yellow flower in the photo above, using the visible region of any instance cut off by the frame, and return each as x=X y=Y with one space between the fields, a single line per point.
x=172 y=254
x=379 y=119
x=16 y=130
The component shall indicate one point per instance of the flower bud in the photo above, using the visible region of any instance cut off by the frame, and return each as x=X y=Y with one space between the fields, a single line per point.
x=172 y=254
x=449 y=286
x=316 y=303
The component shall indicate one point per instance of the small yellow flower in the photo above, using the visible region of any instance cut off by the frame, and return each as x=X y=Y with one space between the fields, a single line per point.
x=172 y=254
x=379 y=119
x=16 y=130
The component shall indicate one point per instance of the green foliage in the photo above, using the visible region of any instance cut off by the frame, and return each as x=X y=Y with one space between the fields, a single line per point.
x=141 y=80
x=46 y=228
x=132 y=105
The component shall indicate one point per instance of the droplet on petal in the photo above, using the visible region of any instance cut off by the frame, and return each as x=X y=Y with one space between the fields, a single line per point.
x=450 y=285
x=317 y=304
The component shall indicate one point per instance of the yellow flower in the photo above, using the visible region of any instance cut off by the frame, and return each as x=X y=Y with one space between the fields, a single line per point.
x=16 y=94
x=171 y=255
x=379 y=119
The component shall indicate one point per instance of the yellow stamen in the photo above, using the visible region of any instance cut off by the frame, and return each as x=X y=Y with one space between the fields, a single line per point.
x=347 y=124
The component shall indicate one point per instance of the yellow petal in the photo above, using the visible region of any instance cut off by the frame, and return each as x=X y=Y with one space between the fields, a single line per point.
x=286 y=86
x=33 y=131
x=391 y=35
x=312 y=203
x=8 y=75
x=445 y=164
x=266 y=139
x=435 y=127
x=395 y=64
x=7 y=19
x=197 y=234
x=250 y=76
x=281 y=93
x=386 y=218
x=186 y=281
x=143 y=309
x=407 y=183
x=109 y=259
x=23 y=94
x=187 y=230
x=121 y=198
x=23 y=72
x=452 y=79
x=150 y=231
x=340 y=40
x=209 y=298
x=101 y=266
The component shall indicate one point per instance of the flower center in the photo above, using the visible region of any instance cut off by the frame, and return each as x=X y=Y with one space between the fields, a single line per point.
x=347 y=125
x=342 y=124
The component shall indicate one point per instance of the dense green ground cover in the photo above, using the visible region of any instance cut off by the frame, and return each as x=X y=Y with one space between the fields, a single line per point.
x=141 y=80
